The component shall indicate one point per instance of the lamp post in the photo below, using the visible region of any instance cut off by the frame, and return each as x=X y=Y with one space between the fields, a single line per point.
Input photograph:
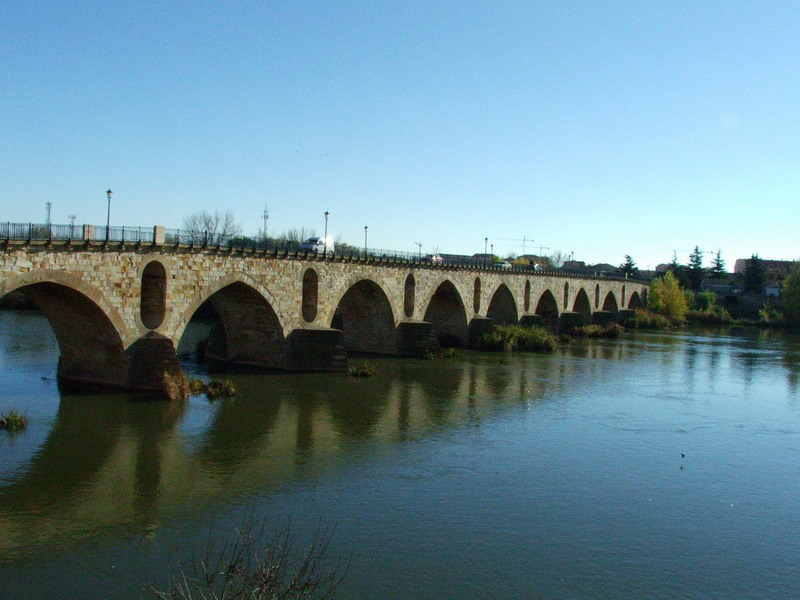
x=365 y=241
x=109 y=193
x=485 y=249
x=419 y=248
x=325 y=243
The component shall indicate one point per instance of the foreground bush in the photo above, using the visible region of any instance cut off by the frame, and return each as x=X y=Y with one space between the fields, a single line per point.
x=517 y=337
x=13 y=421
x=255 y=565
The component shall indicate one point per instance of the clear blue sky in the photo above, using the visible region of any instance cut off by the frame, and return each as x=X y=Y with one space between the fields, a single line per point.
x=599 y=128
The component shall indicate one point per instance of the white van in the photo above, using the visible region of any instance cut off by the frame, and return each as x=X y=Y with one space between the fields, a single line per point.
x=317 y=244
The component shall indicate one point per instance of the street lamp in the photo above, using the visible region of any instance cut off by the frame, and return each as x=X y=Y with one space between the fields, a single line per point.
x=109 y=193
x=365 y=241
x=485 y=248
x=325 y=243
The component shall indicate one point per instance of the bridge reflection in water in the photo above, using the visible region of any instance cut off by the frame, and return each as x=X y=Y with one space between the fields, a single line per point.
x=110 y=462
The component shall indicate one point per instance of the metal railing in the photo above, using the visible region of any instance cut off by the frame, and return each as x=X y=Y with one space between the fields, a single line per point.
x=277 y=247
x=66 y=233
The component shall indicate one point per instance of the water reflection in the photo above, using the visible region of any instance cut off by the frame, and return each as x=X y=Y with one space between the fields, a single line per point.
x=111 y=461
x=109 y=465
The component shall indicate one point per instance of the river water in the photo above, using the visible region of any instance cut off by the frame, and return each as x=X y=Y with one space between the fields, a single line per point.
x=656 y=466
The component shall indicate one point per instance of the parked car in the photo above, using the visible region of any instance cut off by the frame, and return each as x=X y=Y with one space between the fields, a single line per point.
x=317 y=244
x=503 y=264
x=434 y=259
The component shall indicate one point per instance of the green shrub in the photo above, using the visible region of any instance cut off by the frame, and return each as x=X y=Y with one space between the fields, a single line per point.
x=667 y=298
x=705 y=301
x=646 y=319
x=13 y=421
x=592 y=331
x=613 y=331
x=715 y=316
x=768 y=315
x=517 y=337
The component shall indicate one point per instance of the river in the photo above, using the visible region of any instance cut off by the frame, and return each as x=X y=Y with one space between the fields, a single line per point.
x=660 y=465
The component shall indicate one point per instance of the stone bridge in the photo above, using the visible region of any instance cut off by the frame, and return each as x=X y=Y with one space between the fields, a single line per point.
x=119 y=313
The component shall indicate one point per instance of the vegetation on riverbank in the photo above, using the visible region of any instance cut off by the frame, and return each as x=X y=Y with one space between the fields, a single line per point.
x=670 y=305
x=517 y=337
x=12 y=421
x=613 y=331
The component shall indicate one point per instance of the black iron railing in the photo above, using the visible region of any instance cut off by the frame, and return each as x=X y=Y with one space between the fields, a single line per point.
x=31 y=232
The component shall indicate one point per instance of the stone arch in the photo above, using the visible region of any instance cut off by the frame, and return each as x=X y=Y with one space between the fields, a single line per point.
x=526 y=305
x=635 y=301
x=502 y=307
x=91 y=348
x=476 y=296
x=582 y=305
x=310 y=295
x=610 y=303
x=566 y=295
x=221 y=284
x=364 y=315
x=597 y=295
x=448 y=315
x=547 y=309
x=409 y=295
x=248 y=332
x=153 y=298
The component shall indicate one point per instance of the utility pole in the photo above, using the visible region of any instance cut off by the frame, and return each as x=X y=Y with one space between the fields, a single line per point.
x=265 y=216
x=49 y=208
x=419 y=245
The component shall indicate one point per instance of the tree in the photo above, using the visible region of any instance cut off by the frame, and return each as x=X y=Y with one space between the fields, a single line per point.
x=212 y=229
x=718 y=266
x=791 y=296
x=629 y=267
x=667 y=297
x=695 y=270
x=557 y=258
x=679 y=271
x=755 y=275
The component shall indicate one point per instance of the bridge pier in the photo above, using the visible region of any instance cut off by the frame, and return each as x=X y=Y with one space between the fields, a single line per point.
x=477 y=327
x=415 y=338
x=316 y=350
x=604 y=318
x=532 y=321
x=570 y=320
x=153 y=366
